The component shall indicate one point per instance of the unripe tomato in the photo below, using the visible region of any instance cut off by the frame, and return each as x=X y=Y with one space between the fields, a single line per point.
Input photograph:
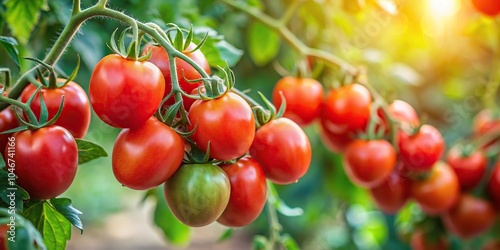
x=369 y=163
x=487 y=7
x=470 y=217
x=248 y=192
x=392 y=194
x=421 y=150
x=125 y=93
x=197 y=194
x=494 y=185
x=8 y=121
x=159 y=57
x=439 y=191
x=469 y=169
x=347 y=109
x=45 y=160
x=303 y=98
x=422 y=241
x=226 y=122
x=147 y=156
x=75 y=116
x=283 y=150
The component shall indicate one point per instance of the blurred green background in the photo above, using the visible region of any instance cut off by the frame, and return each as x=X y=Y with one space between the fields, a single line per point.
x=436 y=55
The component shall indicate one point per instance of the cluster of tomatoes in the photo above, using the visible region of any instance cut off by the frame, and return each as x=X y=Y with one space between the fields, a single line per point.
x=409 y=168
x=229 y=183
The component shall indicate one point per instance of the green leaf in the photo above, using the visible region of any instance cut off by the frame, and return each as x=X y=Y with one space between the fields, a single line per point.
x=263 y=44
x=280 y=204
x=289 y=243
x=216 y=49
x=25 y=233
x=259 y=242
x=88 y=151
x=10 y=192
x=227 y=234
x=64 y=207
x=21 y=16
x=54 y=227
x=229 y=53
x=175 y=232
x=10 y=43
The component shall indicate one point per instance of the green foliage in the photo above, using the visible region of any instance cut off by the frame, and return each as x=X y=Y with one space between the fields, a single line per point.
x=10 y=192
x=88 y=151
x=176 y=232
x=22 y=16
x=263 y=44
x=25 y=234
x=9 y=44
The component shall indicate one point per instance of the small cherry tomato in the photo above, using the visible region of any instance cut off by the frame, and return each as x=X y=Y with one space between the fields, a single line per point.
x=486 y=122
x=8 y=121
x=392 y=194
x=248 y=192
x=487 y=7
x=470 y=168
x=421 y=150
x=283 y=150
x=334 y=142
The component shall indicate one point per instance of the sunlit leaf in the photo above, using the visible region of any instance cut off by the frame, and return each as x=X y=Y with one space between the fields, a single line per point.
x=88 y=151
x=22 y=16
x=263 y=44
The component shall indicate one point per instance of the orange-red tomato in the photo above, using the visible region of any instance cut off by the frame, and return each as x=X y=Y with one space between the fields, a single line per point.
x=470 y=169
x=392 y=194
x=421 y=150
x=487 y=7
x=7 y=121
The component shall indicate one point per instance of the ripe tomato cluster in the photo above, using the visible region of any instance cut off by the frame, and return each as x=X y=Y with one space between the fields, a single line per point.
x=403 y=160
x=229 y=184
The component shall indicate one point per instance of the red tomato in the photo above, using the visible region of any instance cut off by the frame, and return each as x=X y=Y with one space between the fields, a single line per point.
x=283 y=150
x=422 y=241
x=248 y=192
x=159 y=57
x=369 y=163
x=491 y=245
x=470 y=217
x=401 y=112
x=347 y=109
x=147 y=156
x=485 y=123
x=125 y=93
x=75 y=116
x=392 y=194
x=494 y=185
x=333 y=141
x=439 y=191
x=45 y=160
x=3 y=236
x=421 y=150
x=487 y=7
x=469 y=169
x=7 y=121
x=226 y=122
x=303 y=98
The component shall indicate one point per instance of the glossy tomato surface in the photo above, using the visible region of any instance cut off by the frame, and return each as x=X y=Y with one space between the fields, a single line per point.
x=147 y=156
x=75 y=116
x=421 y=150
x=198 y=194
x=437 y=192
x=470 y=217
x=303 y=98
x=185 y=72
x=469 y=169
x=335 y=142
x=369 y=163
x=283 y=150
x=8 y=121
x=45 y=161
x=226 y=122
x=392 y=194
x=125 y=93
x=248 y=192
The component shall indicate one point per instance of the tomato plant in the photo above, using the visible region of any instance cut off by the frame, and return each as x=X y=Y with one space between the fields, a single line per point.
x=303 y=98
x=282 y=165
x=75 y=116
x=147 y=156
x=437 y=192
x=425 y=241
x=198 y=194
x=392 y=194
x=369 y=163
x=209 y=118
x=125 y=93
x=248 y=192
x=469 y=167
x=42 y=156
x=185 y=72
x=421 y=150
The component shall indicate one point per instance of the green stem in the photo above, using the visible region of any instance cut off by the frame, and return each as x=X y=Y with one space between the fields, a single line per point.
x=24 y=107
x=290 y=11
x=274 y=225
x=76 y=7
x=245 y=97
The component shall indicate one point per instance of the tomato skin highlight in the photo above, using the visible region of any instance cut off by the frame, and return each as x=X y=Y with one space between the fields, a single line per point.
x=125 y=93
x=145 y=157
x=347 y=109
x=439 y=191
x=392 y=194
x=470 y=217
x=494 y=185
x=369 y=163
x=46 y=155
x=420 y=151
x=469 y=169
x=248 y=192
x=159 y=57
x=282 y=164
x=75 y=116
x=226 y=122
x=303 y=98
x=197 y=194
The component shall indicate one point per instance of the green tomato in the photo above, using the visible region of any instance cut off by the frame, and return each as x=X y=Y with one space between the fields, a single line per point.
x=197 y=194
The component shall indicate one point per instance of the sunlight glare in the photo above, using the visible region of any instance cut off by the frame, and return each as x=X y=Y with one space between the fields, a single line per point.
x=443 y=8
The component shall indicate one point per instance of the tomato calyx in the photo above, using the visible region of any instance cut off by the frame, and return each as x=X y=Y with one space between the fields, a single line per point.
x=52 y=82
x=131 y=52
